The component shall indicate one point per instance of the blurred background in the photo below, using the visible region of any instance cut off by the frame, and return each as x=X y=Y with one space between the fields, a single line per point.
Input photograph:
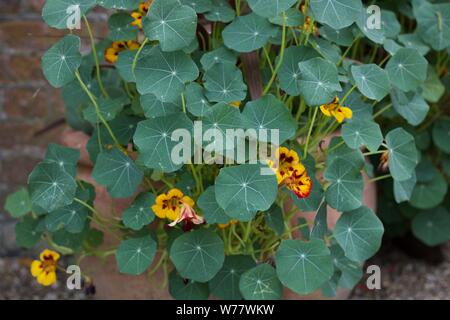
x=31 y=116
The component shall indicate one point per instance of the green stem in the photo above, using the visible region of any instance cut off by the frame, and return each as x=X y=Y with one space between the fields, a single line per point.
x=380 y=178
x=308 y=137
x=281 y=56
x=94 y=53
x=238 y=7
x=133 y=66
x=380 y=112
x=347 y=94
x=97 y=110
x=183 y=102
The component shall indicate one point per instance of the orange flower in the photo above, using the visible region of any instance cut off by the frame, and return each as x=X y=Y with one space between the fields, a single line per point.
x=112 y=53
x=291 y=172
x=139 y=15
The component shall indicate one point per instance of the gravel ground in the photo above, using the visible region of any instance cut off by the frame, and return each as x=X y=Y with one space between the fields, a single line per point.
x=402 y=278
x=405 y=278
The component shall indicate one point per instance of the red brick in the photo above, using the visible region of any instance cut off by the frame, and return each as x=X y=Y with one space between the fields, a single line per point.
x=29 y=103
x=20 y=68
x=10 y=6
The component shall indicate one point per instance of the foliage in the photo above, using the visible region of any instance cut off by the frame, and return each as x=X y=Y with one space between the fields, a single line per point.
x=309 y=69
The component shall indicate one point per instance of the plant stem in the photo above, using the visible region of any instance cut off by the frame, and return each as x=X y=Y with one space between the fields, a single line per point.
x=380 y=178
x=238 y=7
x=349 y=92
x=380 y=112
x=94 y=54
x=281 y=56
x=305 y=150
x=97 y=111
x=133 y=66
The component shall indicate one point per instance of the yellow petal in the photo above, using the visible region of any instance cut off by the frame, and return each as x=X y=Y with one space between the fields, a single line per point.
x=325 y=110
x=339 y=116
x=175 y=193
x=47 y=278
x=173 y=214
x=36 y=268
x=49 y=254
x=159 y=211
x=347 y=112
x=188 y=201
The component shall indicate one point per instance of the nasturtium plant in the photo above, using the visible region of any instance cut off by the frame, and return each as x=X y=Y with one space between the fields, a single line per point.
x=230 y=128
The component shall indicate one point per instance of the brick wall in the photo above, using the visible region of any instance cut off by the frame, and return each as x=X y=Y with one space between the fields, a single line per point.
x=27 y=102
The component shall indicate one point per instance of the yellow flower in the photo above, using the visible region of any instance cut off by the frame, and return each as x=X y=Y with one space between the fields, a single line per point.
x=137 y=16
x=291 y=172
x=45 y=269
x=112 y=53
x=177 y=207
x=235 y=104
x=334 y=109
x=143 y=7
x=226 y=225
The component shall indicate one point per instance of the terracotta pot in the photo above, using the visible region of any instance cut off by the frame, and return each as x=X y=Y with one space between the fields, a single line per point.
x=110 y=284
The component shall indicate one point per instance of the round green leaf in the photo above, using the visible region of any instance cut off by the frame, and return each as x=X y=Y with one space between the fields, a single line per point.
x=119 y=4
x=320 y=227
x=196 y=102
x=291 y=18
x=377 y=35
x=59 y=13
x=153 y=138
x=134 y=256
x=72 y=218
x=198 y=255
x=413 y=40
x=319 y=81
x=153 y=107
x=242 y=191
x=303 y=266
x=184 y=289
x=28 y=232
x=211 y=210
x=225 y=285
x=433 y=22
x=289 y=72
x=403 y=157
x=61 y=61
x=109 y=109
x=342 y=37
x=429 y=194
x=432 y=226
x=390 y=24
x=346 y=189
x=172 y=24
x=433 y=88
x=164 y=73
x=140 y=212
x=125 y=62
x=274 y=219
x=359 y=233
x=200 y=6
x=66 y=158
x=224 y=83
x=261 y=283
x=51 y=187
x=351 y=271
x=411 y=106
x=18 y=203
x=372 y=81
x=441 y=134
x=220 y=11
x=270 y=8
x=220 y=55
x=339 y=150
x=120 y=28
x=118 y=173
x=403 y=189
x=362 y=133
x=271 y=114
x=407 y=69
x=337 y=14
x=248 y=33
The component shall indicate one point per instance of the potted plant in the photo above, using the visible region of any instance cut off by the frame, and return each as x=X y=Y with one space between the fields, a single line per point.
x=160 y=100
